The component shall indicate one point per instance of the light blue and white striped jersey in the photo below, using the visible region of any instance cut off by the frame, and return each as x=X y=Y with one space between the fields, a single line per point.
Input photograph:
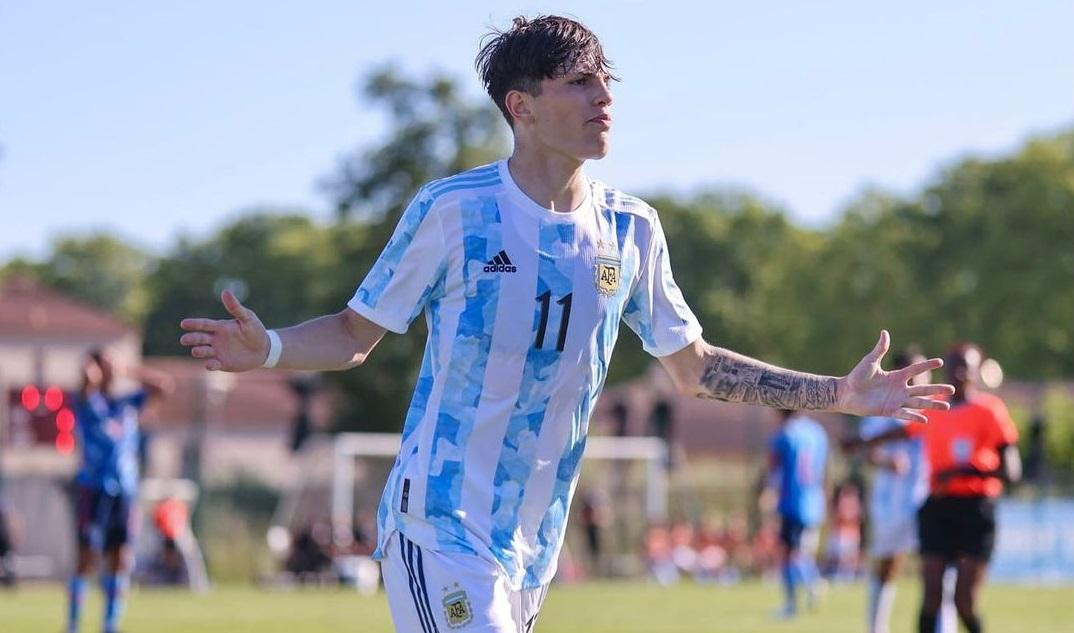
x=523 y=306
x=895 y=497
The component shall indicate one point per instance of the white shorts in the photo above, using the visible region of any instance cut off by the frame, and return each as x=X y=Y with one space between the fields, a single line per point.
x=437 y=592
x=894 y=535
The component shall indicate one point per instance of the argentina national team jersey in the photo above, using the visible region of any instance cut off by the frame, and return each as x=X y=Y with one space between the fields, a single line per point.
x=523 y=308
x=896 y=496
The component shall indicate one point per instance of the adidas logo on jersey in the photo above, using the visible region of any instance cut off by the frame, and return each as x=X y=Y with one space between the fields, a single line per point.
x=500 y=264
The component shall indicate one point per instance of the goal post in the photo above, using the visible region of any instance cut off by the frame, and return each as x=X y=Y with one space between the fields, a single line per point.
x=652 y=451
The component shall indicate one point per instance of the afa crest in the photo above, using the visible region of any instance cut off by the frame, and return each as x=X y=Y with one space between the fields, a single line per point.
x=457 y=608
x=607 y=274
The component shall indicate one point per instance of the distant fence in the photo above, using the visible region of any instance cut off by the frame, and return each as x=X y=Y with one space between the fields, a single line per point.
x=1035 y=541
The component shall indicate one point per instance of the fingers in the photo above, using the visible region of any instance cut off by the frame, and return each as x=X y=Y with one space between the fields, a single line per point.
x=196 y=338
x=213 y=365
x=910 y=415
x=234 y=307
x=920 y=367
x=925 y=403
x=930 y=390
x=881 y=348
x=202 y=351
x=201 y=325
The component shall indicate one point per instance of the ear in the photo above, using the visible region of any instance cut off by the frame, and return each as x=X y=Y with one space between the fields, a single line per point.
x=519 y=106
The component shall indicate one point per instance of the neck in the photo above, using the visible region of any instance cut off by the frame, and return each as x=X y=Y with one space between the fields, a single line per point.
x=962 y=393
x=554 y=181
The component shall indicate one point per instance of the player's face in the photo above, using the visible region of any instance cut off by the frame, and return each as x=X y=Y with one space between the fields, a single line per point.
x=964 y=366
x=107 y=370
x=572 y=115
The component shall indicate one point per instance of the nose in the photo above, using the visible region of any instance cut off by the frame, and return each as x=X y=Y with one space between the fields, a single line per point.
x=604 y=94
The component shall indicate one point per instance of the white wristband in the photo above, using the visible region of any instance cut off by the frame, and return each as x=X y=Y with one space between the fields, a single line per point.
x=275 y=349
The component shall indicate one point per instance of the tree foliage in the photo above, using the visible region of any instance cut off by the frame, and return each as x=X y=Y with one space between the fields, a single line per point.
x=985 y=252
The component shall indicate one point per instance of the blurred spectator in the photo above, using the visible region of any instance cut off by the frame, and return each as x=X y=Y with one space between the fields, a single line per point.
x=735 y=540
x=310 y=553
x=683 y=554
x=658 y=555
x=842 y=556
x=712 y=558
x=765 y=549
x=168 y=567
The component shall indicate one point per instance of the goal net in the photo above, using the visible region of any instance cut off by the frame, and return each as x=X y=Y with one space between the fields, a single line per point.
x=623 y=489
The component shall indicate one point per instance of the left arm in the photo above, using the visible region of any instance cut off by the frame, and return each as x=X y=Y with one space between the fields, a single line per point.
x=707 y=371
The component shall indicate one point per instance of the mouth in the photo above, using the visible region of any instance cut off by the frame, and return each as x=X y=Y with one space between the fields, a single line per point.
x=603 y=121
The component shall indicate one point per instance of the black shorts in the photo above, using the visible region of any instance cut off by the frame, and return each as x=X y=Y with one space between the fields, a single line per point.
x=952 y=527
x=790 y=532
x=104 y=521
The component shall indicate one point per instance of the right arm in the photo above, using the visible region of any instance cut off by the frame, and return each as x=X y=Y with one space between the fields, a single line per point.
x=336 y=341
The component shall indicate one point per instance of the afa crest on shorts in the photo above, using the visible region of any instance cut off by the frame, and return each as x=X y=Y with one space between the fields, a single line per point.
x=608 y=273
x=457 y=608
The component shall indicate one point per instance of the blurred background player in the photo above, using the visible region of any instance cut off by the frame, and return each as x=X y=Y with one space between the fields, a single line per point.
x=971 y=450
x=899 y=487
x=798 y=463
x=107 y=481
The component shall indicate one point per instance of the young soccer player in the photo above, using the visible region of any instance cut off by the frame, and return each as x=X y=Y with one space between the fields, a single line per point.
x=798 y=465
x=524 y=269
x=971 y=450
x=107 y=482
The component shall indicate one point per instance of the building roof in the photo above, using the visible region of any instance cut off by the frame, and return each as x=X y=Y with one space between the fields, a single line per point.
x=28 y=308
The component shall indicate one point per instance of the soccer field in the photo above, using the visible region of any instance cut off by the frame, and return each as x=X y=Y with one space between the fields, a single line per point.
x=591 y=608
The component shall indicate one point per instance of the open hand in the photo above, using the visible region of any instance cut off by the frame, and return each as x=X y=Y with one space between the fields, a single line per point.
x=237 y=344
x=869 y=390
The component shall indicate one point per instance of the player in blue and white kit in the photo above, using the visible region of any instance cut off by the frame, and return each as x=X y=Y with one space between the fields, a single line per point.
x=798 y=465
x=899 y=486
x=106 y=497
x=523 y=270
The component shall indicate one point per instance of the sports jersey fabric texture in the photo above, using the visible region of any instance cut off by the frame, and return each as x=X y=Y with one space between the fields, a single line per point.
x=800 y=455
x=523 y=307
x=970 y=433
x=894 y=496
x=107 y=431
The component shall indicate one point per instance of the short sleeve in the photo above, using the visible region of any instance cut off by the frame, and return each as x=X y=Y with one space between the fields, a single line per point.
x=408 y=270
x=656 y=310
x=1002 y=427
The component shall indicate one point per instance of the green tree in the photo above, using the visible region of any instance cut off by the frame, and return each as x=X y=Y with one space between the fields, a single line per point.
x=100 y=269
x=284 y=263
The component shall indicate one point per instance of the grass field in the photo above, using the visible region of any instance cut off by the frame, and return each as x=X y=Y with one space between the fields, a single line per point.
x=591 y=608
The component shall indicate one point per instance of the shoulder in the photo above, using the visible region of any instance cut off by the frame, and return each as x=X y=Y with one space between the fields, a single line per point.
x=472 y=182
x=617 y=201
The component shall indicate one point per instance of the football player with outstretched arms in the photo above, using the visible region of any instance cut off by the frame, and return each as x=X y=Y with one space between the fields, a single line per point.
x=523 y=269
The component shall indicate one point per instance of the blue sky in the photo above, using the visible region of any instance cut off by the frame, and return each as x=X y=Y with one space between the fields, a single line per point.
x=150 y=119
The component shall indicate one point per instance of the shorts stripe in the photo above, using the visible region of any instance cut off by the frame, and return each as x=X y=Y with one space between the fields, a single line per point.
x=413 y=584
x=418 y=588
x=424 y=589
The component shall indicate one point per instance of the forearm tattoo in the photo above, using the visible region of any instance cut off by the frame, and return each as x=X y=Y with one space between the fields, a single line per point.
x=735 y=378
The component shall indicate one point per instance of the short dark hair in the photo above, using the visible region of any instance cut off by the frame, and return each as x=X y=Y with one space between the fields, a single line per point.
x=530 y=51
